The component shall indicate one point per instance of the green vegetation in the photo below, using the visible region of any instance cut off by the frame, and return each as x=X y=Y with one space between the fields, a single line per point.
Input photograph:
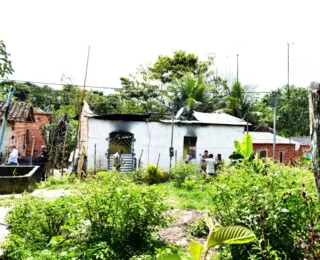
x=106 y=218
x=5 y=62
x=230 y=235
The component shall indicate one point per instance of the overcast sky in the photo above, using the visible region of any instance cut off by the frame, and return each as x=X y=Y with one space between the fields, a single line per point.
x=49 y=38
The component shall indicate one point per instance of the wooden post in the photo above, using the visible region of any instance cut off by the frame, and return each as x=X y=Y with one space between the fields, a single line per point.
x=33 y=139
x=139 y=163
x=175 y=157
x=64 y=150
x=314 y=112
x=95 y=159
x=158 y=162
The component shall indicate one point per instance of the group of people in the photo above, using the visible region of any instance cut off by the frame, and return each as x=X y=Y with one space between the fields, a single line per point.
x=14 y=156
x=209 y=163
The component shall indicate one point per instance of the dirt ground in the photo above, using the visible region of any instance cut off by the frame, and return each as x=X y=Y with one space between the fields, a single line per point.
x=177 y=233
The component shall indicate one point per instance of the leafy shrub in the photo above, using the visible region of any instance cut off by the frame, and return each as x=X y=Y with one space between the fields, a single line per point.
x=136 y=175
x=110 y=218
x=182 y=172
x=278 y=206
x=154 y=174
x=199 y=228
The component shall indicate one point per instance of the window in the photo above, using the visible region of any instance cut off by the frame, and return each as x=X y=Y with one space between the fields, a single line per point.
x=263 y=153
x=189 y=142
x=281 y=156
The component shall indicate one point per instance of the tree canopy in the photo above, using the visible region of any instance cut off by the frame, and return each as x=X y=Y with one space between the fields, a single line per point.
x=5 y=62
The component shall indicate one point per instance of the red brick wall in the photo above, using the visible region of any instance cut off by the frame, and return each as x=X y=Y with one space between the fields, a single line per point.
x=34 y=128
x=289 y=151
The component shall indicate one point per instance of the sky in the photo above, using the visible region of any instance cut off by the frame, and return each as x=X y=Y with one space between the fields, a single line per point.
x=47 y=39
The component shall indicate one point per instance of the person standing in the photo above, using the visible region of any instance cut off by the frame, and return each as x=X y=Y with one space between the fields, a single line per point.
x=117 y=160
x=210 y=165
x=203 y=161
x=188 y=157
x=13 y=156
x=43 y=159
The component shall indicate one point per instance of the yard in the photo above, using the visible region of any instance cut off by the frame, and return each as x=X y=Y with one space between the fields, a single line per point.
x=145 y=215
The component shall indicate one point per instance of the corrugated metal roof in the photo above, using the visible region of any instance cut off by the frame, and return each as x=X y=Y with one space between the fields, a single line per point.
x=18 y=112
x=267 y=138
x=211 y=119
x=218 y=118
x=303 y=140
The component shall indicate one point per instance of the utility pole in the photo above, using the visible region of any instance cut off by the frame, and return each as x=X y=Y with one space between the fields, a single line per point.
x=171 y=152
x=4 y=118
x=288 y=89
x=275 y=101
x=288 y=70
x=237 y=68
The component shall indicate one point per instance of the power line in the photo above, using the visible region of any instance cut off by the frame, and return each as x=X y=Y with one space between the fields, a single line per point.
x=101 y=87
x=56 y=84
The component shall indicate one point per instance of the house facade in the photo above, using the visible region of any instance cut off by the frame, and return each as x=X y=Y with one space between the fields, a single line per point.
x=287 y=149
x=145 y=142
x=23 y=126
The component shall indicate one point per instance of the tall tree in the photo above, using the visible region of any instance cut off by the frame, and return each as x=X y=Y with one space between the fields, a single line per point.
x=192 y=93
x=5 y=62
x=292 y=113
x=239 y=102
x=166 y=68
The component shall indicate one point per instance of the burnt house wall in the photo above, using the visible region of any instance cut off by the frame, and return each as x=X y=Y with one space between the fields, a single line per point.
x=154 y=138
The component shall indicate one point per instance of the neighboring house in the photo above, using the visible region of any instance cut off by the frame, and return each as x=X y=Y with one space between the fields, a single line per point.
x=287 y=149
x=145 y=142
x=305 y=145
x=23 y=123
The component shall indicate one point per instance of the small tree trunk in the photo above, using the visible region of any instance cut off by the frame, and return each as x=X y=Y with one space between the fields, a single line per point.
x=314 y=112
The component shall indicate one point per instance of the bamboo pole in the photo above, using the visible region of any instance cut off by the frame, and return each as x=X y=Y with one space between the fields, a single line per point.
x=64 y=150
x=33 y=140
x=80 y=109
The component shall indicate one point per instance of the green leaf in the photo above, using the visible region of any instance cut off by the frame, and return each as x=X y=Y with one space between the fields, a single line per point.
x=196 y=250
x=209 y=222
x=170 y=256
x=230 y=235
x=247 y=146
x=237 y=146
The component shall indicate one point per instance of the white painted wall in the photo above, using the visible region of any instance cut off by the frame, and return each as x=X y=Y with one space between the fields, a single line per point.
x=7 y=138
x=155 y=137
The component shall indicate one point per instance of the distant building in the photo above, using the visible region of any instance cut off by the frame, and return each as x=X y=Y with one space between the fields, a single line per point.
x=143 y=141
x=23 y=123
x=287 y=149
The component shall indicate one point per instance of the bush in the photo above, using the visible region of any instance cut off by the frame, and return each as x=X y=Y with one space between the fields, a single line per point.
x=279 y=206
x=154 y=174
x=182 y=172
x=110 y=218
x=199 y=228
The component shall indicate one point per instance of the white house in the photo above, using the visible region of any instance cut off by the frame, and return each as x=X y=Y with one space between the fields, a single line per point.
x=145 y=142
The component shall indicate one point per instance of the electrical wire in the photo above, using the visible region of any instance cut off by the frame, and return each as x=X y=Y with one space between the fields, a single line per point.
x=102 y=87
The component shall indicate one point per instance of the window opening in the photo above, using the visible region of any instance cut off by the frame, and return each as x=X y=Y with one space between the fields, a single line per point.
x=281 y=156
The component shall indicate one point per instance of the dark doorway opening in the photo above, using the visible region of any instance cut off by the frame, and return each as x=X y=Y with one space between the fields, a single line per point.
x=190 y=143
x=121 y=141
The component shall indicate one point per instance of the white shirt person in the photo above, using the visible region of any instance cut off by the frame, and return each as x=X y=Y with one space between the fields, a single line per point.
x=13 y=156
x=210 y=164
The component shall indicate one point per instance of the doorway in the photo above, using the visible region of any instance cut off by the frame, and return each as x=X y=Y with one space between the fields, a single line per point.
x=190 y=142
x=121 y=141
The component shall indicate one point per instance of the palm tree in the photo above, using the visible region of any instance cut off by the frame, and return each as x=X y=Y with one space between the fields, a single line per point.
x=190 y=92
x=240 y=102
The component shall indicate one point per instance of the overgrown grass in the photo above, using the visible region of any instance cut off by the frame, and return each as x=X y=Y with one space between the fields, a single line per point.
x=197 y=198
x=65 y=182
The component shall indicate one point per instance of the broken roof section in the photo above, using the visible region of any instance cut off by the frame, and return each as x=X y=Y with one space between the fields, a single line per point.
x=211 y=119
x=18 y=112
